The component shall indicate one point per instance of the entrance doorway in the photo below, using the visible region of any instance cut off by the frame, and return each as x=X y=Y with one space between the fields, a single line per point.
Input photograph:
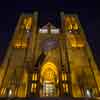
x=49 y=80
x=49 y=88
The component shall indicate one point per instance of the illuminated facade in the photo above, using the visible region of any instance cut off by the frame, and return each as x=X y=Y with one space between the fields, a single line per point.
x=49 y=61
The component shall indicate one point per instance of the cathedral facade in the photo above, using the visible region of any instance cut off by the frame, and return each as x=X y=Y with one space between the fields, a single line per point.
x=48 y=61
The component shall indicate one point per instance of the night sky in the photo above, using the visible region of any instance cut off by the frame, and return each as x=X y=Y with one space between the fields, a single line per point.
x=87 y=10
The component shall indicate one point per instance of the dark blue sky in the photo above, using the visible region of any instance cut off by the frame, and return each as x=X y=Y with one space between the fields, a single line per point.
x=88 y=11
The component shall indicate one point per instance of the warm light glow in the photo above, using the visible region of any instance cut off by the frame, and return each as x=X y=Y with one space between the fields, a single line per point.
x=20 y=44
x=77 y=45
x=17 y=45
x=2 y=92
x=68 y=24
x=69 y=27
x=33 y=87
x=23 y=45
x=64 y=76
x=66 y=87
x=75 y=41
x=49 y=71
x=28 y=23
x=34 y=76
x=40 y=80
x=73 y=19
x=67 y=68
x=71 y=23
x=49 y=65
x=75 y=26
x=67 y=19
x=49 y=75
x=75 y=23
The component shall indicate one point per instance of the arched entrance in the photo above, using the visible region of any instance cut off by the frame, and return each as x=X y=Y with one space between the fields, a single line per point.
x=49 y=80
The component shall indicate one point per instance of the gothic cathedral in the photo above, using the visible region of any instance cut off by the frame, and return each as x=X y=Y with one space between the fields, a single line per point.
x=48 y=61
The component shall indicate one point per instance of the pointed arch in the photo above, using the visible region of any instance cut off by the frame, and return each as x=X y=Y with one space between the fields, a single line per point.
x=49 y=65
